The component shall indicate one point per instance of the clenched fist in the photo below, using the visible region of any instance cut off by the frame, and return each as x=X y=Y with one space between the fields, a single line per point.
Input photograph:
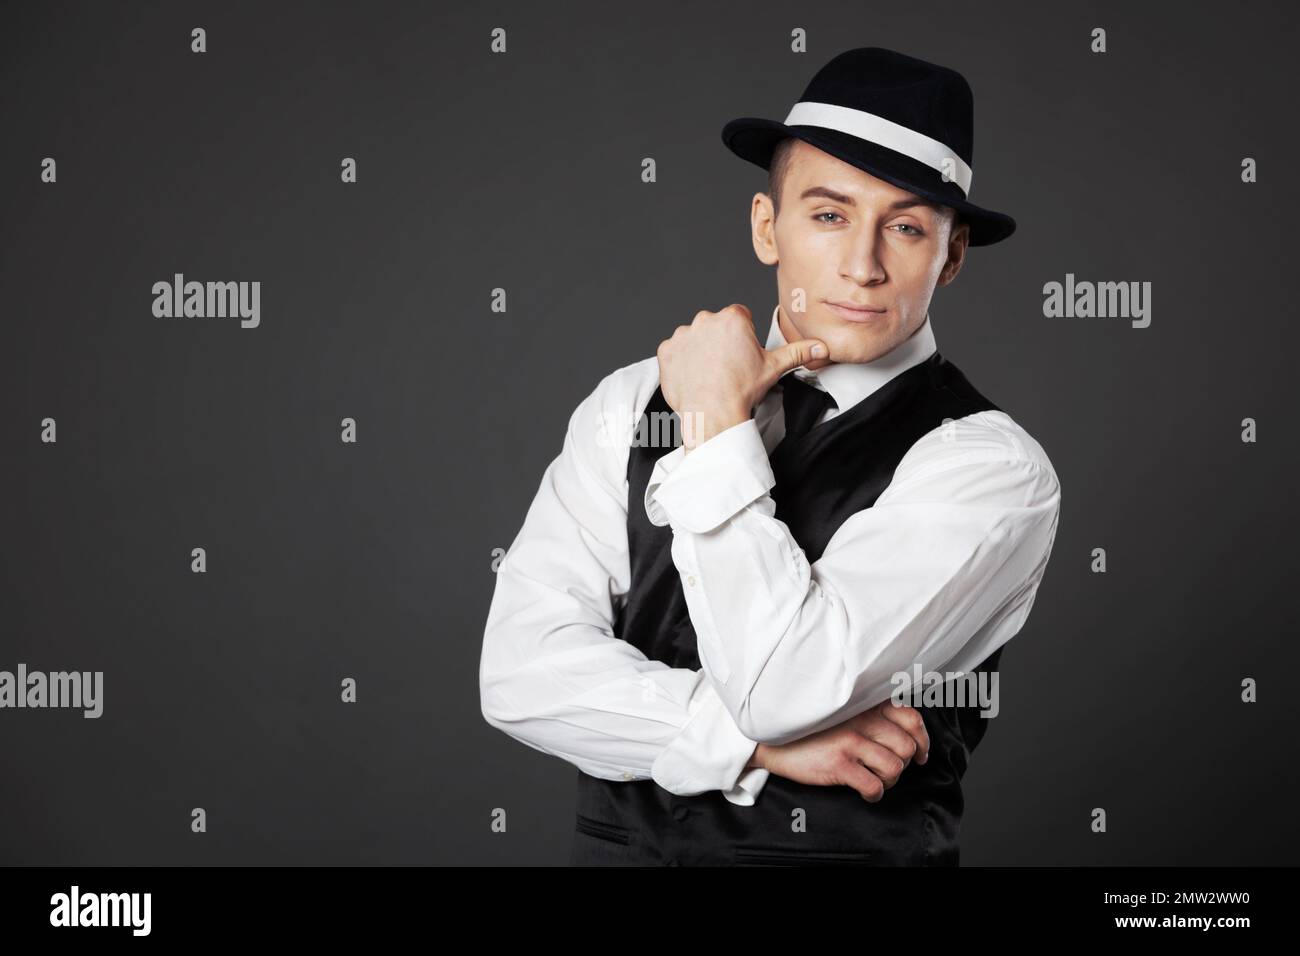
x=867 y=752
x=714 y=371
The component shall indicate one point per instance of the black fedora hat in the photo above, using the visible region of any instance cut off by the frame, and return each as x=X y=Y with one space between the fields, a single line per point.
x=903 y=120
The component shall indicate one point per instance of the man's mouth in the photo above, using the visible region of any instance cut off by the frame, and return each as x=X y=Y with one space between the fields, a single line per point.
x=855 y=312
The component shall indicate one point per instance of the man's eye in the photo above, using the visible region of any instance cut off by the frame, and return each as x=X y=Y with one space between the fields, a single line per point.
x=914 y=232
x=818 y=217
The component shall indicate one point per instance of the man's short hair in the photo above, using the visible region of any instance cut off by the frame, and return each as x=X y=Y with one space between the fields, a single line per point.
x=776 y=171
x=780 y=164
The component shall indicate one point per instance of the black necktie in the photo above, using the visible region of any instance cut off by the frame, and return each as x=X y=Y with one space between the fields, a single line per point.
x=803 y=405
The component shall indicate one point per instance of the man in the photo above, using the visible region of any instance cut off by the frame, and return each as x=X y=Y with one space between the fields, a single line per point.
x=713 y=634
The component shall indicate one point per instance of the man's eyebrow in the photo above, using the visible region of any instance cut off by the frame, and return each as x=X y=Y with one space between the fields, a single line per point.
x=826 y=192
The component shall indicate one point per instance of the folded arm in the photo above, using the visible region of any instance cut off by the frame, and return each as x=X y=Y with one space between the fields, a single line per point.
x=552 y=673
x=953 y=549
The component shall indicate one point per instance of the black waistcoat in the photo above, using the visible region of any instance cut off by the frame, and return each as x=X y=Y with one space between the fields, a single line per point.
x=838 y=468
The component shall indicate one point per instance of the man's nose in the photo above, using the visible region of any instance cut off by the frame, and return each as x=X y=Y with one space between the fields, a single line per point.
x=862 y=258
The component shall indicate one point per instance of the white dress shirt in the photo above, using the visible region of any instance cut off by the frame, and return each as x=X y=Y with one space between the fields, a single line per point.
x=940 y=572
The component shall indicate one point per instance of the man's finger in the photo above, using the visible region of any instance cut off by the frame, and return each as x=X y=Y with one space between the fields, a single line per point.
x=879 y=759
x=869 y=786
x=909 y=718
x=889 y=734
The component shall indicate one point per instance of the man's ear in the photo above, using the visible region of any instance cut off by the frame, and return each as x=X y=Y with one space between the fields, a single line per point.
x=762 y=227
x=958 y=240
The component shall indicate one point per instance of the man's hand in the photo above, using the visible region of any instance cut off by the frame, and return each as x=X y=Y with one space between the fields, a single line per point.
x=714 y=371
x=884 y=738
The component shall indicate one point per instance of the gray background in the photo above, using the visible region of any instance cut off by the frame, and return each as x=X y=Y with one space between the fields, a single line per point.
x=522 y=171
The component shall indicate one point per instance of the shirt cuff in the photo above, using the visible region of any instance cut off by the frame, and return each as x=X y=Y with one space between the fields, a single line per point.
x=709 y=753
x=699 y=491
x=747 y=787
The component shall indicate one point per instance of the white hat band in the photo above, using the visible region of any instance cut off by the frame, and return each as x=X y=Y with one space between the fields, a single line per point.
x=886 y=133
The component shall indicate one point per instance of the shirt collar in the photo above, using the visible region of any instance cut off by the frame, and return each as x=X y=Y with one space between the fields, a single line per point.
x=850 y=382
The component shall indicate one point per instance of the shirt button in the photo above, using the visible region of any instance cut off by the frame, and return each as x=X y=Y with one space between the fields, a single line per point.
x=680 y=812
x=671 y=861
x=627 y=776
x=690 y=580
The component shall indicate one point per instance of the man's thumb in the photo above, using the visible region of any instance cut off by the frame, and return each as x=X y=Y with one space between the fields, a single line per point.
x=793 y=355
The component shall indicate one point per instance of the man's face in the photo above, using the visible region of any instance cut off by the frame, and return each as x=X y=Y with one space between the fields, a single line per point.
x=844 y=236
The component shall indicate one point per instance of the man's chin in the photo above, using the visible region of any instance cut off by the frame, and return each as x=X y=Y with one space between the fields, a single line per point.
x=855 y=346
